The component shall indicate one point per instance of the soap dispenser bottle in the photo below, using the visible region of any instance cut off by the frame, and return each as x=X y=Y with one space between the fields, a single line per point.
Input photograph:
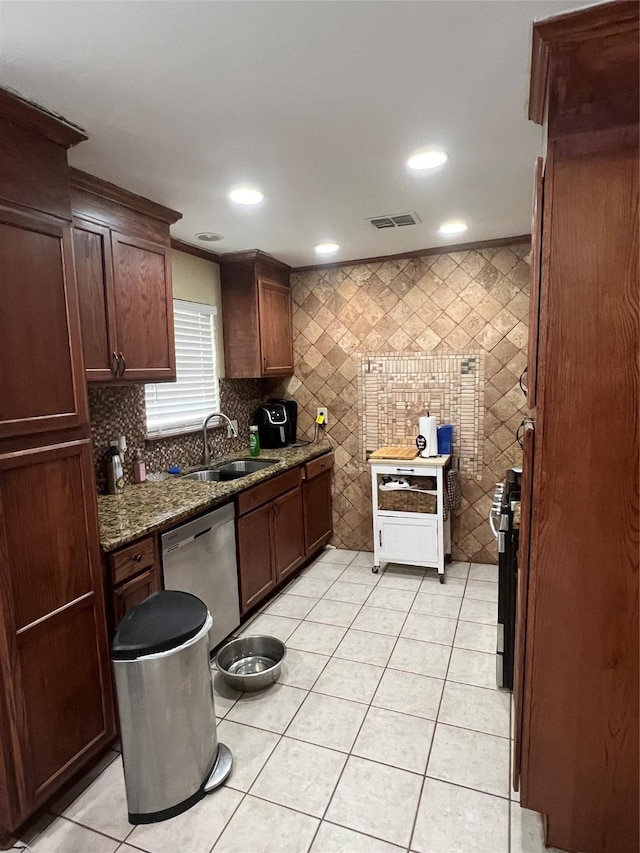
x=115 y=473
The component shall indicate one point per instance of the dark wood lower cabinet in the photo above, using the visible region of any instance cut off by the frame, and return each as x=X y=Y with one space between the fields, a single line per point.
x=318 y=511
x=280 y=524
x=288 y=538
x=255 y=556
x=128 y=595
x=56 y=705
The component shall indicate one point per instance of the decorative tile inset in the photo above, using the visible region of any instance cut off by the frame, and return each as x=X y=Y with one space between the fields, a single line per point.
x=395 y=390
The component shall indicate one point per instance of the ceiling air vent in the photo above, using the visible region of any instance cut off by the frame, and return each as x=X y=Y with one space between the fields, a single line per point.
x=398 y=220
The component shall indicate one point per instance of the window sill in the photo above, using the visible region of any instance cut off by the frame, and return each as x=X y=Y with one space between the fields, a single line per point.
x=180 y=431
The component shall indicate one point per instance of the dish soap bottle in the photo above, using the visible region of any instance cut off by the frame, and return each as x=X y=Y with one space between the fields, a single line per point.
x=254 y=441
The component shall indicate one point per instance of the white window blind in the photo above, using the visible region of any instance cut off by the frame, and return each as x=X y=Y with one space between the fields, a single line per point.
x=180 y=405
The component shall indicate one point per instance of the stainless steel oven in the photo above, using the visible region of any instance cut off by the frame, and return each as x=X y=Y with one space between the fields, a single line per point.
x=504 y=520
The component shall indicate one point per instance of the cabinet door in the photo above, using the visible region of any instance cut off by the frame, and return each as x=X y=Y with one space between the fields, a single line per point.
x=41 y=383
x=143 y=309
x=318 y=520
x=408 y=539
x=128 y=595
x=255 y=556
x=288 y=533
x=56 y=707
x=536 y=279
x=522 y=599
x=92 y=253
x=276 y=344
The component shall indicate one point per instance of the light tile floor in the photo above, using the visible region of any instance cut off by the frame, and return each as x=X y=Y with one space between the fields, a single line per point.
x=385 y=732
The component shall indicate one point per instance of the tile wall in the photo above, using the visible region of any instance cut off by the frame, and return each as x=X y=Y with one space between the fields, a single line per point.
x=119 y=410
x=467 y=302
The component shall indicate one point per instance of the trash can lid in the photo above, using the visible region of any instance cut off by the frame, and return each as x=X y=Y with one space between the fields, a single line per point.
x=165 y=620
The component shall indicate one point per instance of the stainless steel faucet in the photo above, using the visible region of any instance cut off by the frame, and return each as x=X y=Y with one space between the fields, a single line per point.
x=206 y=456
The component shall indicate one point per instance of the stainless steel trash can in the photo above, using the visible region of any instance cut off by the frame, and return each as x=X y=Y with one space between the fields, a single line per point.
x=170 y=748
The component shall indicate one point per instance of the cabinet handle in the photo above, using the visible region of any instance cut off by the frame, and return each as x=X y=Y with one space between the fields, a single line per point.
x=523 y=387
x=136 y=558
x=115 y=366
x=264 y=363
x=406 y=470
x=123 y=363
x=380 y=537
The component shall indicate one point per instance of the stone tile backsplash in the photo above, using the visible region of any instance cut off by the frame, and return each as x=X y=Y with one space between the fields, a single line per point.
x=119 y=410
x=467 y=304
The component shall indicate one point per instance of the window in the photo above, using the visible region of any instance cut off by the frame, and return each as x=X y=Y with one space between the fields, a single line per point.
x=184 y=404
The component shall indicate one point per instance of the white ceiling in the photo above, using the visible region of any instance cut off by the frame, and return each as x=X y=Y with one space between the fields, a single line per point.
x=318 y=103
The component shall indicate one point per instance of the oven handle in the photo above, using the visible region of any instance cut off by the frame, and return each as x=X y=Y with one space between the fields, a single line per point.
x=492 y=524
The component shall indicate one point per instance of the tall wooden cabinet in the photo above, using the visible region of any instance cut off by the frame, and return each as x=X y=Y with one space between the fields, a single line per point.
x=123 y=268
x=256 y=316
x=576 y=697
x=56 y=707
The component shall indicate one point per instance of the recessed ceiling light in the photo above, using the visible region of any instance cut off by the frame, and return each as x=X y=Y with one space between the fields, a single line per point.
x=327 y=248
x=246 y=195
x=454 y=227
x=428 y=158
x=208 y=236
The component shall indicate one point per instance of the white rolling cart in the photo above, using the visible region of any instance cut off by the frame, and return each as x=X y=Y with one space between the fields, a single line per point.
x=409 y=526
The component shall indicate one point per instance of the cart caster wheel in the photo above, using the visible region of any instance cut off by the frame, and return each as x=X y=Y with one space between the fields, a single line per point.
x=375 y=569
x=441 y=577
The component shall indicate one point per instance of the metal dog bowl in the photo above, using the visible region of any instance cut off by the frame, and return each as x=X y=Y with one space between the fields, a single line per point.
x=251 y=663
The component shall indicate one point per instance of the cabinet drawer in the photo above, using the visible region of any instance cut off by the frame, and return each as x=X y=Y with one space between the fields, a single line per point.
x=258 y=495
x=133 y=559
x=317 y=466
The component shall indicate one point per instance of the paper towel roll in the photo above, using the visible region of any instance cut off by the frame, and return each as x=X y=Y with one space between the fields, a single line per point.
x=428 y=427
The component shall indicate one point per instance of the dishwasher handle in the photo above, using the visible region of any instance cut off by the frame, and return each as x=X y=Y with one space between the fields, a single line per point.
x=186 y=533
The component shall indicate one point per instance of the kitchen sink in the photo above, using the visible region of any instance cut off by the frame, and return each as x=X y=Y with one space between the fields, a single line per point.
x=246 y=466
x=230 y=470
x=207 y=476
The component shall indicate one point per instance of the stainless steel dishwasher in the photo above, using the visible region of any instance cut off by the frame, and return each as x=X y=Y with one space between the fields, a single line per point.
x=200 y=557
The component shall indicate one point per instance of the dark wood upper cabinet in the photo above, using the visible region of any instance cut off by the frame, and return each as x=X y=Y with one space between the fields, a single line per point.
x=94 y=273
x=143 y=303
x=256 y=316
x=41 y=383
x=276 y=340
x=577 y=753
x=123 y=265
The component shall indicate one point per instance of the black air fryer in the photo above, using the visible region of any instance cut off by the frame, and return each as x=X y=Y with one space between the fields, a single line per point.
x=273 y=424
x=292 y=419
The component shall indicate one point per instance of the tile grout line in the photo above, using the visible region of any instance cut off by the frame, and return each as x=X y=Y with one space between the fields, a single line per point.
x=350 y=753
x=331 y=657
x=426 y=768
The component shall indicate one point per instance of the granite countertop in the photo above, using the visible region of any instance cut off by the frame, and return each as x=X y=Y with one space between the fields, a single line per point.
x=150 y=506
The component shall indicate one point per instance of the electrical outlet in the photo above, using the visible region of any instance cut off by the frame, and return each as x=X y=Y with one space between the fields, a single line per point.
x=321 y=410
x=229 y=433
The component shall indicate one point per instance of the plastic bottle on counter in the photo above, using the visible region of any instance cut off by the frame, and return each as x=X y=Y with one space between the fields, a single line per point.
x=139 y=469
x=254 y=441
x=115 y=473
